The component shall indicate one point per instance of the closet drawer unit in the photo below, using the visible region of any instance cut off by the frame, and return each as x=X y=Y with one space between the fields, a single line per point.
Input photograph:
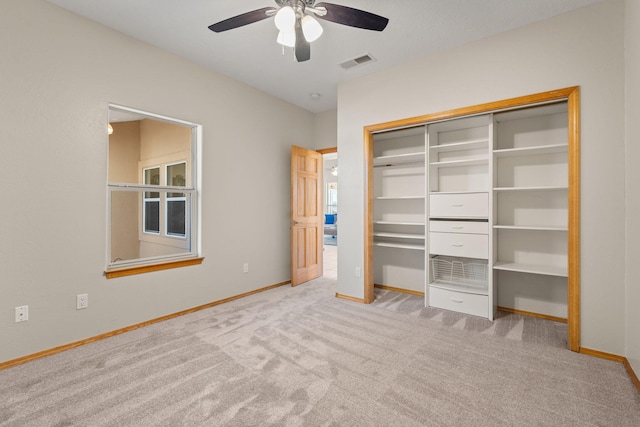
x=471 y=227
x=459 y=245
x=474 y=304
x=463 y=205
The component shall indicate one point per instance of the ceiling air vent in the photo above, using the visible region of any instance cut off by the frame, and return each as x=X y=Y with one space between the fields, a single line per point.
x=362 y=59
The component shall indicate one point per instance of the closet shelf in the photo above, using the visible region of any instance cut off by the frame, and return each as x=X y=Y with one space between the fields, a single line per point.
x=532 y=227
x=548 y=270
x=542 y=188
x=400 y=197
x=459 y=146
x=399 y=246
x=529 y=151
x=396 y=159
x=398 y=222
x=455 y=163
x=455 y=192
x=399 y=235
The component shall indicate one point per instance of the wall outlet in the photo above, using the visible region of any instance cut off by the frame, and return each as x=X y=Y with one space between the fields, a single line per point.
x=245 y=267
x=358 y=272
x=82 y=301
x=22 y=313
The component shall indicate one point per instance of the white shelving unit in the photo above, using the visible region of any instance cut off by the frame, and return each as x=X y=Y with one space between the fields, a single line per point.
x=459 y=258
x=399 y=209
x=487 y=194
x=530 y=188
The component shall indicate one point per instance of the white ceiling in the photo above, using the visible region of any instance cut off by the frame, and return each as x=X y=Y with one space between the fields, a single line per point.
x=250 y=54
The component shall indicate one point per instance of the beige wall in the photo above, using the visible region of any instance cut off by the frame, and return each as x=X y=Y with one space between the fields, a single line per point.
x=632 y=110
x=58 y=74
x=124 y=152
x=584 y=48
x=326 y=129
x=158 y=139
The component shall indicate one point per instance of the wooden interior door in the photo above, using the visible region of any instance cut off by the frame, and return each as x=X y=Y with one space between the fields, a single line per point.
x=306 y=215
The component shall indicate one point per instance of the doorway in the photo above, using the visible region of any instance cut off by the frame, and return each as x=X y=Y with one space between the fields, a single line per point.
x=330 y=209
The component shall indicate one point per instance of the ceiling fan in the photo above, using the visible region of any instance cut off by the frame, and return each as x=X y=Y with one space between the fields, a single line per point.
x=297 y=24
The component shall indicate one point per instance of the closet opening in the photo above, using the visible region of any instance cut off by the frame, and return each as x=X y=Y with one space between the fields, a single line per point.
x=477 y=208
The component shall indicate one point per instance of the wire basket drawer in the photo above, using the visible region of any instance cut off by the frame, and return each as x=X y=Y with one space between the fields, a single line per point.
x=467 y=274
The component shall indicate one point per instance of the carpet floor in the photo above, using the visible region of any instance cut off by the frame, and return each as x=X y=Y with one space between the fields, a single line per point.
x=301 y=357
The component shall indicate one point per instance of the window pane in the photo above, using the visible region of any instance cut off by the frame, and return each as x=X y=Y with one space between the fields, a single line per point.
x=152 y=216
x=176 y=215
x=152 y=177
x=331 y=198
x=176 y=176
x=125 y=209
x=137 y=231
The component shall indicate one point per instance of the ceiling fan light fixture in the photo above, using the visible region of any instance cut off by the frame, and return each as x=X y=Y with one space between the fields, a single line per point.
x=287 y=38
x=285 y=19
x=311 y=28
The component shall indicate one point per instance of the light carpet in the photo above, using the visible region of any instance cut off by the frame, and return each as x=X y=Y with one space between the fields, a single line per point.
x=301 y=357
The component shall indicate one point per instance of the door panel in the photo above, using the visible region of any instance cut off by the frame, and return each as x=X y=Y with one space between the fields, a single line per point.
x=306 y=215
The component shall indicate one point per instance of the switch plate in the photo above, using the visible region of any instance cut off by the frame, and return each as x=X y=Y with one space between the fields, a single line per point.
x=82 y=301
x=358 y=272
x=22 y=313
x=245 y=267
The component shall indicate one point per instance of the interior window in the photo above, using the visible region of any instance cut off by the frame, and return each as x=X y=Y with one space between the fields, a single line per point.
x=152 y=188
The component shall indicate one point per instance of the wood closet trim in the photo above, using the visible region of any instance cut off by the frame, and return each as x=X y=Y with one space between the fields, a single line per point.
x=569 y=94
x=328 y=150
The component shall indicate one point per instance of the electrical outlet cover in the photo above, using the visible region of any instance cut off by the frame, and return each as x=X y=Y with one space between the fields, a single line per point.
x=82 y=301
x=22 y=313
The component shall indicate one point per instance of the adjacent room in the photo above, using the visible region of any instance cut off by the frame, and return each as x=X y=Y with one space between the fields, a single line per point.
x=469 y=262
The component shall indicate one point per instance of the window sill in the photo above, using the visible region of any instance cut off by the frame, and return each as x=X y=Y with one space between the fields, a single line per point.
x=141 y=269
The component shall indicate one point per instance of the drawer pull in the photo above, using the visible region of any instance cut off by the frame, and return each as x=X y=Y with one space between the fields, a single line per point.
x=457 y=206
x=457 y=228
x=456 y=300
x=457 y=246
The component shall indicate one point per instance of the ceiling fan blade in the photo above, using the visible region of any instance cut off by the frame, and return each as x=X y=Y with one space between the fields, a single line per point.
x=352 y=17
x=243 y=19
x=303 y=48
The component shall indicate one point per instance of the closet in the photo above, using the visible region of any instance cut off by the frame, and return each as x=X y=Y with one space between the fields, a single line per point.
x=477 y=209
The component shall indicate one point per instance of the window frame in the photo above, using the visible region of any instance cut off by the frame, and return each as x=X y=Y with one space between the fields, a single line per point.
x=162 y=188
x=192 y=196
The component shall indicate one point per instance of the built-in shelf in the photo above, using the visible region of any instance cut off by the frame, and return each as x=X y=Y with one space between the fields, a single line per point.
x=531 y=227
x=399 y=245
x=398 y=223
x=399 y=235
x=399 y=197
x=548 y=270
x=543 y=188
x=454 y=192
x=457 y=163
x=458 y=146
x=529 y=151
x=417 y=157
